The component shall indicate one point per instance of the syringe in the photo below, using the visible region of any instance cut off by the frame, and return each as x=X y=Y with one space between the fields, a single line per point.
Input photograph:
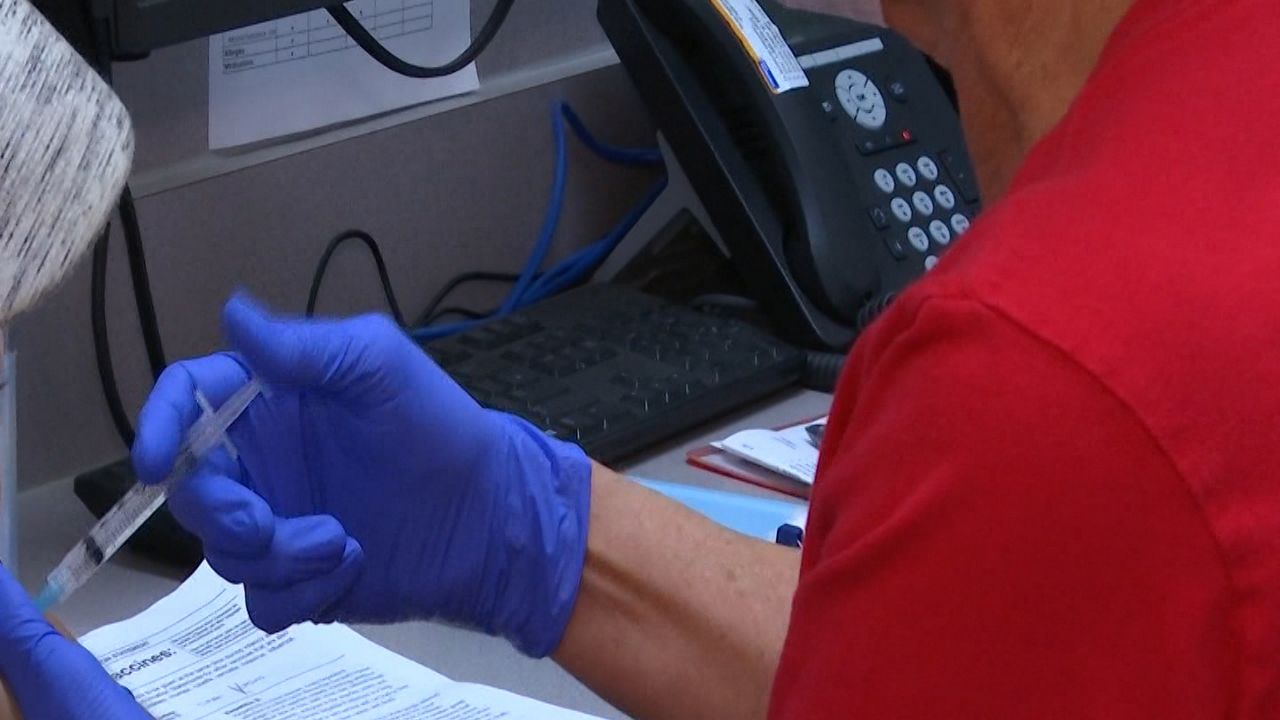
x=140 y=503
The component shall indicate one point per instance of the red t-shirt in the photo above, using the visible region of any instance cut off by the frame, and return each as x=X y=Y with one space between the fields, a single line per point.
x=1051 y=483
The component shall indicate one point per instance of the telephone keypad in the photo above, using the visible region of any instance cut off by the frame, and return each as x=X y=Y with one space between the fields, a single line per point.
x=933 y=196
x=931 y=262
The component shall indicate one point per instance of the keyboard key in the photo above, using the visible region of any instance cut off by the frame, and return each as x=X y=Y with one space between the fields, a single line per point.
x=483 y=338
x=635 y=402
x=562 y=405
x=446 y=357
x=517 y=378
x=625 y=380
x=488 y=385
x=585 y=424
x=684 y=362
x=616 y=416
x=536 y=395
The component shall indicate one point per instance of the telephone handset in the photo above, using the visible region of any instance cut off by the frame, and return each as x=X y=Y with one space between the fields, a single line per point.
x=826 y=152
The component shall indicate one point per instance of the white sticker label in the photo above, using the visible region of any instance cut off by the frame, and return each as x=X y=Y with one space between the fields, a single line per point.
x=763 y=42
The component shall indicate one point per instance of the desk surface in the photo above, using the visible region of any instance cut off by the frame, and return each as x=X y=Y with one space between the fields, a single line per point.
x=52 y=520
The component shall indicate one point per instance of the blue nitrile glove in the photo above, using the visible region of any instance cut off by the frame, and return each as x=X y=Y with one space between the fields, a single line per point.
x=51 y=677
x=370 y=487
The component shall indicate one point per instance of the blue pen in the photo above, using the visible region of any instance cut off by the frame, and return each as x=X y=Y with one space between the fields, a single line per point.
x=816 y=432
x=790 y=536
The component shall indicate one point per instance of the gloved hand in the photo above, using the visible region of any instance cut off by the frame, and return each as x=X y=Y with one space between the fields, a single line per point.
x=51 y=677
x=370 y=487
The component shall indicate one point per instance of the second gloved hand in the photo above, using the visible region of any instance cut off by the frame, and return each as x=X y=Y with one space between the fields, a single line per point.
x=51 y=677
x=370 y=487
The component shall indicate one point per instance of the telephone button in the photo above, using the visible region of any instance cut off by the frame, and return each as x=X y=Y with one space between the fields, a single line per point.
x=960 y=224
x=918 y=239
x=896 y=249
x=928 y=168
x=860 y=98
x=898 y=90
x=930 y=262
x=923 y=203
x=884 y=181
x=901 y=209
x=945 y=197
x=878 y=218
x=873 y=117
x=940 y=232
x=906 y=174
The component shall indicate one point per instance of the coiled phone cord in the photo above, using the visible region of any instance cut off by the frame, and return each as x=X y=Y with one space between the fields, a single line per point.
x=822 y=369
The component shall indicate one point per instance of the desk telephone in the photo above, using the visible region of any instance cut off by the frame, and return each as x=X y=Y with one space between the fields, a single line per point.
x=826 y=152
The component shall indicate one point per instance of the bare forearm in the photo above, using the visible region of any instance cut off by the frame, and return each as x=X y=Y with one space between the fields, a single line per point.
x=677 y=616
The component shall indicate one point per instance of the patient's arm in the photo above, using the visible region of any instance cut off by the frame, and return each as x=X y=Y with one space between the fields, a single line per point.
x=676 y=615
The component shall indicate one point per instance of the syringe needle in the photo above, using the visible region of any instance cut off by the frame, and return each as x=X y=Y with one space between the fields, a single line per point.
x=140 y=503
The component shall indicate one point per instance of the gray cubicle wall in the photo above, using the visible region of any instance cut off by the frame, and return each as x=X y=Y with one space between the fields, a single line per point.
x=444 y=189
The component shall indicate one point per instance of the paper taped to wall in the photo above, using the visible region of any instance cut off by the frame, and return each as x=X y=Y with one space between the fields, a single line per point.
x=302 y=73
x=196 y=656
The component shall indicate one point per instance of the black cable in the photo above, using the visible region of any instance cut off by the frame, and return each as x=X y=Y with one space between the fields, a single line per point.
x=141 y=284
x=724 y=300
x=433 y=307
x=101 y=341
x=873 y=309
x=98 y=279
x=392 y=62
x=822 y=370
x=318 y=279
x=462 y=312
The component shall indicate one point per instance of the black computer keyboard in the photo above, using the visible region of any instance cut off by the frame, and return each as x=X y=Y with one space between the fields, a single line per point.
x=615 y=370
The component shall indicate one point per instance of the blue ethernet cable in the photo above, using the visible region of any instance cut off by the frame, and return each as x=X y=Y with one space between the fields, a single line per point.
x=533 y=286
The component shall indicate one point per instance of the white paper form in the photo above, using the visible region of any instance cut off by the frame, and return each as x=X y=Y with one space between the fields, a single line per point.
x=303 y=72
x=195 y=656
x=788 y=451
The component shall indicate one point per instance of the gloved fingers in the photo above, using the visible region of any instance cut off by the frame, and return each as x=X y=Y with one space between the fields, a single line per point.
x=229 y=518
x=291 y=351
x=273 y=609
x=34 y=657
x=171 y=409
x=22 y=626
x=301 y=549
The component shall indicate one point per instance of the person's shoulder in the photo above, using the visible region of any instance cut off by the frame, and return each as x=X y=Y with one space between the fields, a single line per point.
x=1132 y=210
x=1150 y=266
